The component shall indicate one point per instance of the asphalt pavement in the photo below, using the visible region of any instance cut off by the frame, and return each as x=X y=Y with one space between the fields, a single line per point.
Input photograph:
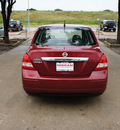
x=23 y=34
x=19 y=111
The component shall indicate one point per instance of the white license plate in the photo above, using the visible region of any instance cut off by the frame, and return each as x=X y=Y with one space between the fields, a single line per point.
x=64 y=66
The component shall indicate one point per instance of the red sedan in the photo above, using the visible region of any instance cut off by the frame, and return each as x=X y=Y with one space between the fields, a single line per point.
x=64 y=59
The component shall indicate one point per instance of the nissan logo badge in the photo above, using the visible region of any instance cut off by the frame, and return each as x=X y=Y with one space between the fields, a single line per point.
x=64 y=54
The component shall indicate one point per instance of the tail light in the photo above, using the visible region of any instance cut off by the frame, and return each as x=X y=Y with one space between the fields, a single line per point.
x=16 y=25
x=26 y=63
x=102 y=65
x=105 y=24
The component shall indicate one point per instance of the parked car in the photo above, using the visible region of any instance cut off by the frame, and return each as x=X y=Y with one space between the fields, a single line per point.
x=1 y=32
x=108 y=25
x=58 y=10
x=64 y=59
x=31 y=9
x=15 y=25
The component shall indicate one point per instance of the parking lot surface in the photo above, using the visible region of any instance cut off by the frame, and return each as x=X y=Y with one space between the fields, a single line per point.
x=18 y=111
x=22 y=34
x=109 y=35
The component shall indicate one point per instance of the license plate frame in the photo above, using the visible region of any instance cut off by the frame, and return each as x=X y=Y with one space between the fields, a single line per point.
x=65 y=66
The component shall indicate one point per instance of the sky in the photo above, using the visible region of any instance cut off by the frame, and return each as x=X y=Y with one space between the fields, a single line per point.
x=67 y=5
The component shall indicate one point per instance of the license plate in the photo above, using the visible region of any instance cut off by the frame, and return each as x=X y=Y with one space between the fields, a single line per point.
x=64 y=66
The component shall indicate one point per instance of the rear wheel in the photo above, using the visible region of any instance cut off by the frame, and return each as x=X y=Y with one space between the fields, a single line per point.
x=114 y=30
x=104 y=29
x=97 y=94
x=100 y=28
x=18 y=29
x=30 y=93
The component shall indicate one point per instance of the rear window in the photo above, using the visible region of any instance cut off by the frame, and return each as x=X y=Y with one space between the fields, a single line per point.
x=13 y=22
x=67 y=36
x=109 y=22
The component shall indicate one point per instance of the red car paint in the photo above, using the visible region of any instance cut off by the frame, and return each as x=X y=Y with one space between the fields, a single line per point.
x=80 y=68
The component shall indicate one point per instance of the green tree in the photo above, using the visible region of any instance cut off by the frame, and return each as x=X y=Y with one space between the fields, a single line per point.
x=6 y=10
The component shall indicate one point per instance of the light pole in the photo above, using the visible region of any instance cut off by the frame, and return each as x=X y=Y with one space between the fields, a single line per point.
x=98 y=28
x=26 y=27
x=28 y=18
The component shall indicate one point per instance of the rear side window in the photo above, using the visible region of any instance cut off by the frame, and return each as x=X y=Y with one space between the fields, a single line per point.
x=18 y=22
x=66 y=37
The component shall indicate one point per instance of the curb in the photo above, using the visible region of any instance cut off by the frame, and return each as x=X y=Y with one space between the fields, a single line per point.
x=111 y=45
x=27 y=40
x=14 y=44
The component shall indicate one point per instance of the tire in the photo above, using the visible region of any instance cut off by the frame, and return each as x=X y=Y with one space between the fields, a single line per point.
x=100 y=29
x=18 y=29
x=104 y=29
x=30 y=93
x=22 y=28
x=97 y=94
x=114 y=30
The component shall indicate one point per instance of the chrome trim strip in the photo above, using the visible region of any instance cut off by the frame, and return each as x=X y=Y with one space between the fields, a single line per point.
x=37 y=59
x=65 y=58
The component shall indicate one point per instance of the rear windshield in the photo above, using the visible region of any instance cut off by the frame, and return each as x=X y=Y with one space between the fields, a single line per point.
x=13 y=22
x=109 y=22
x=67 y=36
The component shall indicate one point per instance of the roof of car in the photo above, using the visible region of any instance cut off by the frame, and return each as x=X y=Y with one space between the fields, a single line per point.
x=109 y=20
x=62 y=25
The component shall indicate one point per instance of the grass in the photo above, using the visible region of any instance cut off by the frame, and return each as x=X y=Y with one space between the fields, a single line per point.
x=38 y=18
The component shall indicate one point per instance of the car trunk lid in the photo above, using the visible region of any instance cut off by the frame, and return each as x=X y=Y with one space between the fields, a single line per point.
x=65 y=61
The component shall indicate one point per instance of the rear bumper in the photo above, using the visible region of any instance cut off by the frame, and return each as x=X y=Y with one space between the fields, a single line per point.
x=109 y=27
x=14 y=29
x=95 y=83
